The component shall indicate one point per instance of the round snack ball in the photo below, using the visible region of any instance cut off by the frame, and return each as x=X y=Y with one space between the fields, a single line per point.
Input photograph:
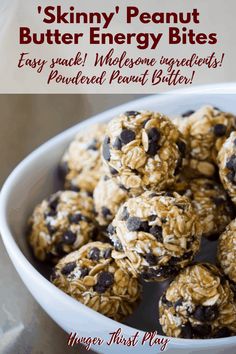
x=210 y=202
x=227 y=165
x=108 y=196
x=198 y=303
x=60 y=224
x=143 y=150
x=92 y=276
x=205 y=131
x=155 y=235
x=81 y=165
x=226 y=252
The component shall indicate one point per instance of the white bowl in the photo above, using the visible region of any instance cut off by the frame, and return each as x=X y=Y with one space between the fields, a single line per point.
x=35 y=178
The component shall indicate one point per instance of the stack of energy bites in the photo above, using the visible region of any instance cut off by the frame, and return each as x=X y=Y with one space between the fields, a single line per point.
x=140 y=192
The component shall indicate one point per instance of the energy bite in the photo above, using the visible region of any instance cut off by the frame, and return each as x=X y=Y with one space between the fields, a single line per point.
x=205 y=132
x=61 y=224
x=81 y=165
x=92 y=276
x=143 y=150
x=210 y=202
x=226 y=252
x=108 y=196
x=155 y=235
x=198 y=303
x=227 y=165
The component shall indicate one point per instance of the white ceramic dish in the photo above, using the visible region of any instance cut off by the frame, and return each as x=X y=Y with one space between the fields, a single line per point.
x=35 y=178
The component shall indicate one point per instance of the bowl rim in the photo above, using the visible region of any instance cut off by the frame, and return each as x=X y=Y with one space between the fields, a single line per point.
x=26 y=267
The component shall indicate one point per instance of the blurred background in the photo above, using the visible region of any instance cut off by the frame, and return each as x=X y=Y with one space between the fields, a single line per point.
x=26 y=122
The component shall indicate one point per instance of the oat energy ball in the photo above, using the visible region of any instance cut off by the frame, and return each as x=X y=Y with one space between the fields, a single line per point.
x=210 y=202
x=92 y=276
x=205 y=132
x=226 y=252
x=61 y=224
x=108 y=196
x=143 y=151
x=155 y=235
x=81 y=165
x=198 y=304
x=227 y=165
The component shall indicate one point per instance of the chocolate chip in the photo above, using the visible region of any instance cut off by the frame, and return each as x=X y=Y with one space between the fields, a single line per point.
x=117 y=144
x=93 y=145
x=104 y=281
x=111 y=229
x=154 y=274
x=202 y=330
x=167 y=271
x=51 y=229
x=179 y=302
x=133 y=223
x=118 y=246
x=206 y=313
x=76 y=218
x=157 y=232
x=131 y=113
x=53 y=202
x=152 y=149
x=151 y=259
x=69 y=237
x=163 y=220
x=211 y=312
x=231 y=163
x=94 y=254
x=149 y=274
x=154 y=134
x=222 y=332
x=126 y=136
x=186 y=331
x=153 y=139
x=124 y=214
x=83 y=272
x=220 y=130
x=106 y=212
x=199 y=313
x=144 y=226
x=107 y=253
x=113 y=170
x=165 y=301
x=68 y=268
x=182 y=147
x=187 y=113
x=106 y=149
x=99 y=288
